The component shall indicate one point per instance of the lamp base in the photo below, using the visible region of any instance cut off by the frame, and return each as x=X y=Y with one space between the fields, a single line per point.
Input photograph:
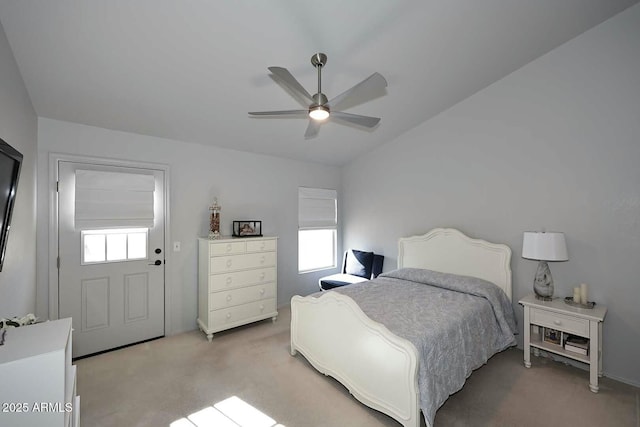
x=543 y=282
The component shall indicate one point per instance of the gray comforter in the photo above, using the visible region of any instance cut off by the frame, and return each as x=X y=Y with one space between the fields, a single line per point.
x=456 y=322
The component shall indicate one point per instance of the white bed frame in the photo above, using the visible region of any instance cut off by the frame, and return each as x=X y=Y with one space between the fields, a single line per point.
x=377 y=367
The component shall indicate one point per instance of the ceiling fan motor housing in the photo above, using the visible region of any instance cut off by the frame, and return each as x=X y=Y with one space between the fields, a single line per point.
x=318 y=110
x=319 y=99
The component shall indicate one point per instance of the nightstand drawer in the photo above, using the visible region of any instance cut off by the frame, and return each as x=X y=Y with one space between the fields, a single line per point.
x=559 y=321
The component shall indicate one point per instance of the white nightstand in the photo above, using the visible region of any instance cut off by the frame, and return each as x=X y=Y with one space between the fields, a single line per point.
x=558 y=315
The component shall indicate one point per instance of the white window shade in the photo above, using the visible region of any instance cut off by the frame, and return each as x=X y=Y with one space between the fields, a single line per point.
x=317 y=208
x=113 y=199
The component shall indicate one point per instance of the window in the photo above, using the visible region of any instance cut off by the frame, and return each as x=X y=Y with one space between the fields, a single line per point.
x=124 y=244
x=317 y=224
x=316 y=249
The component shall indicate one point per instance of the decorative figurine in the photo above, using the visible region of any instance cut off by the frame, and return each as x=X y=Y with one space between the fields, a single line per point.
x=214 y=223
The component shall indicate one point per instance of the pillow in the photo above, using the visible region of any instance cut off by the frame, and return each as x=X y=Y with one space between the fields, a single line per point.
x=359 y=263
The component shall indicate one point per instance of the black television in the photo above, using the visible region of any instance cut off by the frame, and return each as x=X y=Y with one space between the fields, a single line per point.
x=10 y=162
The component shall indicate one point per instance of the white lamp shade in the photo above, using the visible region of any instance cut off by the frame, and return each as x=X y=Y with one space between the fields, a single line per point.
x=544 y=246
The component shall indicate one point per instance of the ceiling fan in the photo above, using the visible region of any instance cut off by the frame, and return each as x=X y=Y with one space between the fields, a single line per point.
x=320 y=109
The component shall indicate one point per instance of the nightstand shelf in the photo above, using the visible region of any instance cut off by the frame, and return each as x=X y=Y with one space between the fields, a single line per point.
x=566 y=319
x=537 y=342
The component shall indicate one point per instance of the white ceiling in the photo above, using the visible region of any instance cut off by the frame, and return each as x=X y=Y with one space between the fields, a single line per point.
x=190 y=70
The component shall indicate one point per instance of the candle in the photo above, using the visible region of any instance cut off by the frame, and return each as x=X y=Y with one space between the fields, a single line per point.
x=576 y=295
x=583 y=293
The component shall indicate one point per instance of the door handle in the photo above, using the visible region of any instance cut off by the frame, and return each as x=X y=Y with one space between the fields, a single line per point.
x=157 y=262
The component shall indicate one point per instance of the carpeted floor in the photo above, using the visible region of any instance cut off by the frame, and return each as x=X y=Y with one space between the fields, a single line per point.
x=163 y=382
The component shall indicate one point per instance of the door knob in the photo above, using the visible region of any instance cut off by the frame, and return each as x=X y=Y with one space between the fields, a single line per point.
x=157 y=262
x=158 y=250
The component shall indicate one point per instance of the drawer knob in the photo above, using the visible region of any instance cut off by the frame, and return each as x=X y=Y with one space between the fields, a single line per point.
x=261 y=291
x=229 y=280
x=228 y=247
x=262 y=246
x=557 y=322
x=262 y=259
x=229 y=262
x=262 y=275
x=228 y=297
x=261 y=307
x=228 y=315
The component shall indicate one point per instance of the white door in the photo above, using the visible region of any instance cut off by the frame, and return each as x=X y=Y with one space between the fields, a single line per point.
x=111 y=280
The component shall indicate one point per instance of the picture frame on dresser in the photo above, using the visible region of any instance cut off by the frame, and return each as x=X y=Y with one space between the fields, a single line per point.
x=248 y=228
x=237 y=282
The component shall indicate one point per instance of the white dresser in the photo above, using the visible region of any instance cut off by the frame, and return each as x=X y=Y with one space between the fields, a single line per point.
x=237 y=282
x=37 y=379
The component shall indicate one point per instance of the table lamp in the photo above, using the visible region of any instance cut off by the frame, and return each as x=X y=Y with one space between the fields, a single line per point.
x=544 y=246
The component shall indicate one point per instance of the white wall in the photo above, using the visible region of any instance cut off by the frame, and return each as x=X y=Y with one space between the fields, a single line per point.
x=248 y=186
x=18 y=127
x=555 y=145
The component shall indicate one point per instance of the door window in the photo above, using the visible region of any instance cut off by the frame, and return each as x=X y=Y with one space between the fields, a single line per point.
x=114 y=245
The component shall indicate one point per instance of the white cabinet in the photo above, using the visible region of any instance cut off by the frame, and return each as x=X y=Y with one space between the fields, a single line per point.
x=237 y=282
x=37 y=379
x=566 y=319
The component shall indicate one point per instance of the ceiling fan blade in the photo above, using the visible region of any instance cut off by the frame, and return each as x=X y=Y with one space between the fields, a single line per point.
x=356 y=119
x=370 y=87
x=286 y=78
x=312 y=129
x=290 y=113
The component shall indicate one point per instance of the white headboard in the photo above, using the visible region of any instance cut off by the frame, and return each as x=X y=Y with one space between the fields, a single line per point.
x=450 y=251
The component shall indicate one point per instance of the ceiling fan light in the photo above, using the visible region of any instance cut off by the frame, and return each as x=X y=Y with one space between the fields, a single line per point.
x=319 y=112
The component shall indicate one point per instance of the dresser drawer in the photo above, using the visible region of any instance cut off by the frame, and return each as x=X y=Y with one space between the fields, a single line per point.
x=240 y=313
x=261 y=245
x=241 y=296
x=226 y=248
x=241 y=262
x=221 y=282
x=559 y=321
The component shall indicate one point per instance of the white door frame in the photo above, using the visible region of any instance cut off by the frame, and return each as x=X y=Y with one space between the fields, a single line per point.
x=54 y=158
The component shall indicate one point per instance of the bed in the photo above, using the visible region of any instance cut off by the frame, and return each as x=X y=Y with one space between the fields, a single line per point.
x=384 y=370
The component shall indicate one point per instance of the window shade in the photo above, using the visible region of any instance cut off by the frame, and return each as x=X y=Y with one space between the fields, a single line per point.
x=113 y=199
x=317 y=208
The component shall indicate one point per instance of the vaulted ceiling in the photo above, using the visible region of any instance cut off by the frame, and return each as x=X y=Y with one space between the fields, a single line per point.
x=190 y=70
